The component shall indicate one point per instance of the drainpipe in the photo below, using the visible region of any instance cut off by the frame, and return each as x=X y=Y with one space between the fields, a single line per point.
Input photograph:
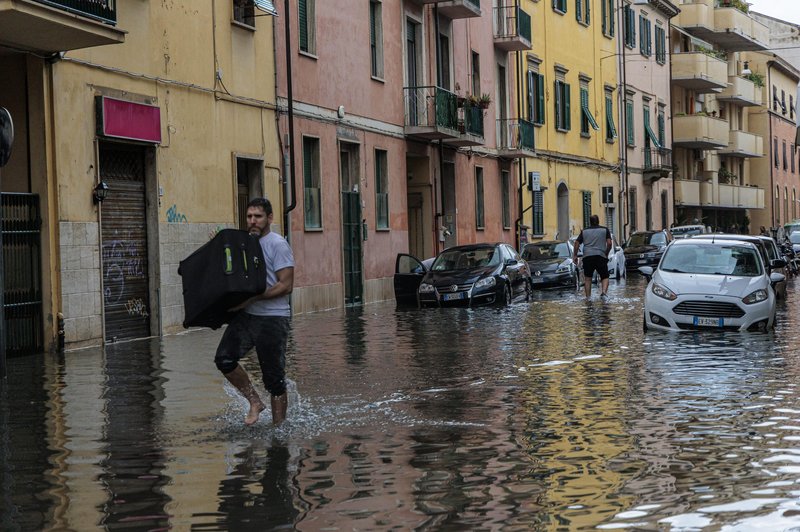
x=438 y=217
x=772 y=158
x=673 y=159
x=290 y=104
x=623 y=152
x=520 y=170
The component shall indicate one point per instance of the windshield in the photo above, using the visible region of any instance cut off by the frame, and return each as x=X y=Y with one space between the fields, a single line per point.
x=466 y=259
x=691 y=230
x=546 y=250
x=712 y=259
x=647 y=239
x=794 y=238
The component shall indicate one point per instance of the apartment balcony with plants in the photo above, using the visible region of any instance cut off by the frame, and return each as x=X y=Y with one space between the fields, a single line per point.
x=512 y=28
x=515 y=138
x=695 y=193
x=743 y=144
x=700 y=71
x=699 y=131
x=431 y=113
x=742 y=91
x=470 y=122
x=49 y=26
x=725 y=23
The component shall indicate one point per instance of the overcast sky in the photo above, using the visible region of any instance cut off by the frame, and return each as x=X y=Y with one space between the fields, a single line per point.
x=788 y=10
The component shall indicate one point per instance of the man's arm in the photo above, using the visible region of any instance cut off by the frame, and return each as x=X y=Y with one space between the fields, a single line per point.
x=575 y=247
x=609 y=245
x=282 y=287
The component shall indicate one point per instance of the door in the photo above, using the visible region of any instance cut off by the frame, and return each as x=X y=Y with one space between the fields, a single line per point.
x=352 y=225
x=449 y=205
x=408 y=274
x=416 y=240
x=126 y=283
x=412 y=108
x=563 y=212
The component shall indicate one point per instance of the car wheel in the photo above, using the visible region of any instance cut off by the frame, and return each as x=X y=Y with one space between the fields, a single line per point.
x=506 y=301
x=528 y=290
x=644 y=323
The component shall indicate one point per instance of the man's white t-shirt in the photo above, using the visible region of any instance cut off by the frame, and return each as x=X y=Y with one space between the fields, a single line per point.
x=277 y=255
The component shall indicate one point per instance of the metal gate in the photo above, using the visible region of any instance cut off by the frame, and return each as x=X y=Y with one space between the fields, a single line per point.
x=126 y=284
x=351 y=218
x=22 y=268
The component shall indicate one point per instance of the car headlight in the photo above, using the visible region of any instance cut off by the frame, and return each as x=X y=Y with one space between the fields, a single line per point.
x=664 y=292
x=755 y=297
x=564 y=269
x=483 y=283
x=425 y=288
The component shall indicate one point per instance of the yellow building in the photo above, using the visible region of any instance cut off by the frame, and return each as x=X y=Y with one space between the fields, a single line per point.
x=170 y=113
x=570 y=78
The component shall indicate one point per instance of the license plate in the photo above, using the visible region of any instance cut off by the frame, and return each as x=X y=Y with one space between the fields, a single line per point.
x=641 y=261
x=537 y=280
x=709 y=322
x=453 y=297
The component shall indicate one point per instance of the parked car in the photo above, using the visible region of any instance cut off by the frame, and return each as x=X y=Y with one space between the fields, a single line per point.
x=771 y=258
x=682 y=231
x=702 y=283
x=469 y=275
x=550 y=263
x=645 y=248
x=616 y=258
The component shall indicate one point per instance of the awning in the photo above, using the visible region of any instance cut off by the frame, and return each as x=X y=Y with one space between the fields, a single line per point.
x=653 y=138
x=265 y=6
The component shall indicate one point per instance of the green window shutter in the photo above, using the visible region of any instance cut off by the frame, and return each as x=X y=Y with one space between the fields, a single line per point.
x=587 y=208
x=578 y=16
x=302 y=19
x=538 y=212
x=559 y=118
x=641 y=34
x=611 y=130
x=587 y=8
x=372 y=23
x=307 y=172
x=567 y=110
x=646 y=114
x=661 y=129
x=540 y=98
x=531 y=96
x=603 y=11
x=629 y=123
x=611 y=17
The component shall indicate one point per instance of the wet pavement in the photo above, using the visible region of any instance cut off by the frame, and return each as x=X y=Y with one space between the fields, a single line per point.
x=556 y=414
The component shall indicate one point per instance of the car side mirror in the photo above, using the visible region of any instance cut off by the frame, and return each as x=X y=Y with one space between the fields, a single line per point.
x=510 y=262
x=647 y=272
x=776 y=277
x=777 y=263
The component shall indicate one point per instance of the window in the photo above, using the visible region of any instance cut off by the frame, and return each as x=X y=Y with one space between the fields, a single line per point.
x=794 y=204
x=650 y=138
x=307 y=31
x=786 y=203
x=479 y=221
x=774 y=98
x=535 y=97
x=783 y=102
x=560 y=6
x=631 y=133
x=381 y=189
x=538 y=212
x=632 y=209
x=645 y=34
x=563 y=119
x=444 y=50
x=243 y=12
x=611 y=130
x=312 y=201
x=376 y=38
x=630 y=26
x=661 y=45
x=587 y=208
x=607 y=14
x=775 y=152
x=777 y=204
x=476 y=74
x=791 y=107
x=661 y=126
x=582 y=11
x=504 y=182
x=785 y=165
x=791 y=155
x=587 y=119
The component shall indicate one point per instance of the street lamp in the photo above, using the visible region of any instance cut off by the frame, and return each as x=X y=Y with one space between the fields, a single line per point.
x=100 y=192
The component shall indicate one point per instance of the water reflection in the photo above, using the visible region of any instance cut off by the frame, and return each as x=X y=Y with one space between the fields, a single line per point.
x=553 y=415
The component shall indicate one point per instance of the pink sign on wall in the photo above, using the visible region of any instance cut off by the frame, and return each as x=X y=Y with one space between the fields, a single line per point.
x=128 y=120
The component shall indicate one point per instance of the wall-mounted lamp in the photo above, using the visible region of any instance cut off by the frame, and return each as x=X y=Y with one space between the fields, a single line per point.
x=100 y=192
x=746 y=70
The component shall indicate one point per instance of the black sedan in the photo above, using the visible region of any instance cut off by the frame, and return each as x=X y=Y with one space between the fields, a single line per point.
x=645 y=248
x=469 y=275
x=550 y=262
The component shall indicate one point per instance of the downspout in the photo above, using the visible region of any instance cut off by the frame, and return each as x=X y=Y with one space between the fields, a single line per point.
x=671 y=122
x=289 y=104
x=438 y=216
x=773 y=218
x=520 y=170
x=623 y=144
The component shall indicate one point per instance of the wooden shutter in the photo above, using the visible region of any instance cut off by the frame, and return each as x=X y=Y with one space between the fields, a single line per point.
x=531 y=100
x=559 y=121
x=567 y=112
x=587 y=207
x=302 y=19
x=538 y=212
x=578 y=10
x=540 y=98
x=587 y=8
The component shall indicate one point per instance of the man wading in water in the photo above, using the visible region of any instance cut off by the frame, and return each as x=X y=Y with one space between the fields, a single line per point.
x=596 y=241
x=262 y=322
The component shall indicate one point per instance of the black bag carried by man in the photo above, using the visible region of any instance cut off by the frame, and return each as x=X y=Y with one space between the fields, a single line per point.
x=224 y=272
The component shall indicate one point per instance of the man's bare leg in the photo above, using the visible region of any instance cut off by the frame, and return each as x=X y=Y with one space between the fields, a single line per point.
x=587 y=286
x=241 y=381
x=279 y=404
x=604 y=286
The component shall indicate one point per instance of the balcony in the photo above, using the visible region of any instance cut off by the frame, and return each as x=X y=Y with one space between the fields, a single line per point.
x=657 y=164
x=430 y=113
x=515 y=138
x=687 y=192
x=742 y=92
x=512 y=29
x=699 y=72
x=737 y=197
x=743 y=144
x=460 y=8
x=725 y=26
x=699 y=132
x=46 y=27
x=470 y=125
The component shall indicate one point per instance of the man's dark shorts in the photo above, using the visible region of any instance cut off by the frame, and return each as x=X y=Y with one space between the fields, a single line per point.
x=595 y=263
x=268 y=334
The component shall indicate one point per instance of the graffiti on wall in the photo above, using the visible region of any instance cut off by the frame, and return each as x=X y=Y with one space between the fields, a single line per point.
x=122 y=261
x=175 y=217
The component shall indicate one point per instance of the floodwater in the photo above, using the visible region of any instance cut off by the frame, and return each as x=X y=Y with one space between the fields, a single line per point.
x=556 y=414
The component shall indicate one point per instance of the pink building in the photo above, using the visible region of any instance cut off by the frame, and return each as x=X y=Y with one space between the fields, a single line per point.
x=395 y=150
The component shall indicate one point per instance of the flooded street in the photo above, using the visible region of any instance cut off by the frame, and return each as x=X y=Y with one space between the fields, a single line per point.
x=556 y=414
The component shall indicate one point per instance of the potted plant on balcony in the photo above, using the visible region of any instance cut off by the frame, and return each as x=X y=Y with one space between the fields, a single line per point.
x=484 y=100
x=756 y=78
x=726 y=176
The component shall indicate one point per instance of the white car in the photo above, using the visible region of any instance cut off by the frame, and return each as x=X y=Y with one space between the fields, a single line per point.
x=708 y=284
x=616 y=258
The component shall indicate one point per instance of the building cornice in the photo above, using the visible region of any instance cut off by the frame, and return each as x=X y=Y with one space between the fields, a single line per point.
x=666 y=7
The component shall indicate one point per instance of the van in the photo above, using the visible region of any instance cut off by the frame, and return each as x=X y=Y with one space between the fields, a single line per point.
x=682 y=231
x=791 y=227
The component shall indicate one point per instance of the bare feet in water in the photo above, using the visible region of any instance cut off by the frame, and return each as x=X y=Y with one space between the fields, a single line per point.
x=254 y=413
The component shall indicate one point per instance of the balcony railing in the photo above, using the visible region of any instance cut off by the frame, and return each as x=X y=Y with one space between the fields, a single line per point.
x=102 y=10
x=516 y=137
x=512 y=28
x=657 y=160
x=431 y=112
x=699 y=71
x=473 y=120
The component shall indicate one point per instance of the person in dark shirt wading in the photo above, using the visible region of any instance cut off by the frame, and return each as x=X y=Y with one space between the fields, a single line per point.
x=596 y=241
